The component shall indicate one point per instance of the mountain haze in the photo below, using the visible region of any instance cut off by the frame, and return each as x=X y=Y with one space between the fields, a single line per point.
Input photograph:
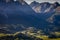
x=17 y=16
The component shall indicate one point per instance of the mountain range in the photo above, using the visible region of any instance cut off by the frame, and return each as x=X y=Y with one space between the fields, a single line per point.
x=44 y=7
x=35 y=15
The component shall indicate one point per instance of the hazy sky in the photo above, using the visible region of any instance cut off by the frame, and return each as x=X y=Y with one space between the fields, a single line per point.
x=29 y=1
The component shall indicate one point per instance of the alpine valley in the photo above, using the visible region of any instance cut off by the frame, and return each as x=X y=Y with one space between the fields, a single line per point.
x=35 y=21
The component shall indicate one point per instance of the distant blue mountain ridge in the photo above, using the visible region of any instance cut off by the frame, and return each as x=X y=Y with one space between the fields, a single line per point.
x=15 y=12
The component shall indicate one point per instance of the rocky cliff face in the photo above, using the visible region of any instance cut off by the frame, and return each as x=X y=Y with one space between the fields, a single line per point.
x=44 y=7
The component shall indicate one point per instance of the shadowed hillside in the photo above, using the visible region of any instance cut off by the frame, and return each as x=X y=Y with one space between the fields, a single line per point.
x=37 y=21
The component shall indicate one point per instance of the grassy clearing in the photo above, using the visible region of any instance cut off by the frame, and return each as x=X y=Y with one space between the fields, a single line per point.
x=14 y=37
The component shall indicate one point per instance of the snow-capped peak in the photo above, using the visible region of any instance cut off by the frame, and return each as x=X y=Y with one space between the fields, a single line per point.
x=44 y=7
